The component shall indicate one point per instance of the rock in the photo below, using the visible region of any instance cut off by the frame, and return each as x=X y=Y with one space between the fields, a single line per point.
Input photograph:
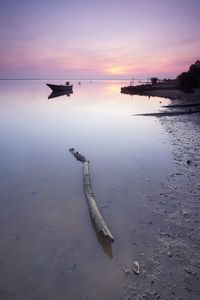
x=191 y=271
x=169 y=253
x=127 y=271
x=147 y=179
x=188 y=289
x=187 y=270
x=136 y=267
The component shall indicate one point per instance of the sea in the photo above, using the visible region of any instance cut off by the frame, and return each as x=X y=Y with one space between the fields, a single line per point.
x=49 y=248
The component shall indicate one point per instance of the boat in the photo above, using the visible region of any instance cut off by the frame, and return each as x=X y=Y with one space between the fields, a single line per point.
x=60 y=87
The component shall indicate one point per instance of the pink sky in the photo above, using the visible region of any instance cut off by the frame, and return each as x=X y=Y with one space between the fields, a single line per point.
x=98 y=39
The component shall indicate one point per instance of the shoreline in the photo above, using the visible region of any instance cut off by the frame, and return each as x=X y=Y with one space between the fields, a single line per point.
x=174 y=95
x=174 y=256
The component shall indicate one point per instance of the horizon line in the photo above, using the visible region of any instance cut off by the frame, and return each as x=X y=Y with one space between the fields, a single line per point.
x=78 y=79
x=68 y=79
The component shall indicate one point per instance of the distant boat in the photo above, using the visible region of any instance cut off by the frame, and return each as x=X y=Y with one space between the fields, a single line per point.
x=60 y=87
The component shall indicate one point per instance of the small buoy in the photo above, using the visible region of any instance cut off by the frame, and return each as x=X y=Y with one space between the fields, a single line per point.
x=136 y=267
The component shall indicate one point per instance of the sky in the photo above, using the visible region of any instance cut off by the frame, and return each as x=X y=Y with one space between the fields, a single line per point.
x=105 y=39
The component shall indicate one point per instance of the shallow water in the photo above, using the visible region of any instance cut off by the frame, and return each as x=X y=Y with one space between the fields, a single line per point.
x=48 y=247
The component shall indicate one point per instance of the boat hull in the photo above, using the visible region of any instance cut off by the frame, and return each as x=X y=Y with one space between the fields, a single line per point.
x=60 y=87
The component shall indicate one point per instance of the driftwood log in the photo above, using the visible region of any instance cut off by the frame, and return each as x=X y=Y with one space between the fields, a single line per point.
x=96 y=216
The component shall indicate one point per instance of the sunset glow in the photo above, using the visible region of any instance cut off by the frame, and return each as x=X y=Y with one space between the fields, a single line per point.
x=117 y=71
x=114 y=39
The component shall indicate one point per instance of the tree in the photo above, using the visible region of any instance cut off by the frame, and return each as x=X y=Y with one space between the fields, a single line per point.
x=195 y=69
x=154 y=80
x=191 y=79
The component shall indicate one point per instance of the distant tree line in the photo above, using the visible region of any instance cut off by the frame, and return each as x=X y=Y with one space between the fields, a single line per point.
x=191 y=79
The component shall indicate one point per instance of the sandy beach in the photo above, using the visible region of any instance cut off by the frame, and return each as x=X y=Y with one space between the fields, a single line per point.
x=171 y=254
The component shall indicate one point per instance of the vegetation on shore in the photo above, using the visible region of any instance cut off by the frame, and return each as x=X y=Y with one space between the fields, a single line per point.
x=191 y=79
x=186 y=82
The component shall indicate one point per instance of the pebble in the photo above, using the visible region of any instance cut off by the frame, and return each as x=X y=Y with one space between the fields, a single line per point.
x=127 y=271
x=169 y=253
x=136 y=267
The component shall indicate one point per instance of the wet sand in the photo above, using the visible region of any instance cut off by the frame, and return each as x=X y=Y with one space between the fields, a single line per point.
x=175 y=95
x=170 y=251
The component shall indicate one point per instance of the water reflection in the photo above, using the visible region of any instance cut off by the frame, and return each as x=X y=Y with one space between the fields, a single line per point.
x=59 y=93
x=105 y=244
x=44 y=205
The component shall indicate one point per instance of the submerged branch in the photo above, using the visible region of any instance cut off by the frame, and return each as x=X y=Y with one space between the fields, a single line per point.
x=96 y=216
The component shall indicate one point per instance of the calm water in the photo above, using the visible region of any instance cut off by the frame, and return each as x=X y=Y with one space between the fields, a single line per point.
x=48 y=248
